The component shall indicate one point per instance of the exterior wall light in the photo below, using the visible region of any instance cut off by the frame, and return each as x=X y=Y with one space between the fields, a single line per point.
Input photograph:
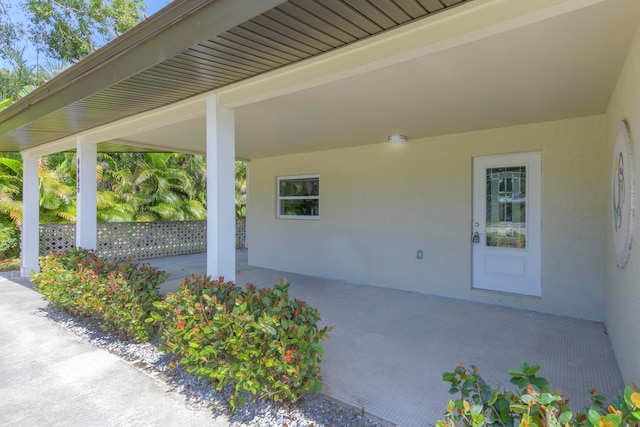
x=397 y=138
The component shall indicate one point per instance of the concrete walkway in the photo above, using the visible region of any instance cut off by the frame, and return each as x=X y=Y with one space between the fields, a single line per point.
x=389 y=348
x=386 y=355
x=50 y=377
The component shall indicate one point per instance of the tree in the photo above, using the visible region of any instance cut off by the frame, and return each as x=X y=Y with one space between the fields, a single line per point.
x=152 y=186
x=17 y=81
x=10 y=34
x=11 y=189
x=71 y=29
x=65 y=29
x=21 y=78
x=241 y=189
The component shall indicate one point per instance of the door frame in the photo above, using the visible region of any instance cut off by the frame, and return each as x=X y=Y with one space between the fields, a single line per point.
x=528 y=282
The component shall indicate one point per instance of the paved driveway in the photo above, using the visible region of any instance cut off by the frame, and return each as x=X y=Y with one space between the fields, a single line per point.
x=51 y=377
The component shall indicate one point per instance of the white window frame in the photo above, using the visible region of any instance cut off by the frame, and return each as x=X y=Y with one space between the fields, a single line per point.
x=279 y=198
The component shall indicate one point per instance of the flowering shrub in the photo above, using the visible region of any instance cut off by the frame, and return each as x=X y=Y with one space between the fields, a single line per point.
x=120 y=293
x=258 y=339
x=534 y=404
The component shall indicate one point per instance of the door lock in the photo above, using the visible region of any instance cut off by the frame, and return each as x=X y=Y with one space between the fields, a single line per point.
x=476 y=237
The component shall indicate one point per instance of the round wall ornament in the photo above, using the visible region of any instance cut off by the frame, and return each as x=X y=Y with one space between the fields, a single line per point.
x=623 y=194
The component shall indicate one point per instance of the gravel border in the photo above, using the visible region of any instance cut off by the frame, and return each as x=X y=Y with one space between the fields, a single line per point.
x=312 y=410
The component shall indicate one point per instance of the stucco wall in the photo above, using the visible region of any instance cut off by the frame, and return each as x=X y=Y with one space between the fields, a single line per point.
x=623 y=285
x=382 y=202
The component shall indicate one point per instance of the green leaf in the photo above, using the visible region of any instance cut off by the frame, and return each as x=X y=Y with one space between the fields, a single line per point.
x=532 y=370
x=539 y=382
x=612 y=420
x=594 y=416
x=546 y=398
x=515 y=373
x=565 y=417
x=494 y=397
x=527 y=398
x=155 y=316
x=5 y=103
x=316 y=346
x=631 y=398
x=518 y=409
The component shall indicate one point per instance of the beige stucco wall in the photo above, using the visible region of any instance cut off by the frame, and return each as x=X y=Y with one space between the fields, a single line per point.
x=381 y=203
x=623 y=285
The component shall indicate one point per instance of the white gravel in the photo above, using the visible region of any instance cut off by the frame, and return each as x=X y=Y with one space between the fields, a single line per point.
x=313 y=410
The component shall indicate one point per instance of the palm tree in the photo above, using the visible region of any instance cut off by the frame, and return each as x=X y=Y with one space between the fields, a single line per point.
x=11 y=189
x=20 y=79
x=159 y=186
x=241 y=189
x=57 y=188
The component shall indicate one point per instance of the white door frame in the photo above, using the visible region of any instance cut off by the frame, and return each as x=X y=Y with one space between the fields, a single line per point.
x=511 y=270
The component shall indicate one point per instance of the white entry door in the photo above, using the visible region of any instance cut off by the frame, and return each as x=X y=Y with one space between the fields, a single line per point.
x=506 y=223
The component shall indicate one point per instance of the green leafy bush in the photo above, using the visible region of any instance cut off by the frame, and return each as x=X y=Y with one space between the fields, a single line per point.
x=258 y=339
x=119 y=293
x=9 y=241
x=533 y=404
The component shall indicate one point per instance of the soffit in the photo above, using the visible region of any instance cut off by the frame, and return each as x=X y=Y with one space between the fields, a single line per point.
x=536 y=72
x=291 y=32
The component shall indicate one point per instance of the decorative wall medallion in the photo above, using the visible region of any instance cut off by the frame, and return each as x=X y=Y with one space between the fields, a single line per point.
x=623 y=194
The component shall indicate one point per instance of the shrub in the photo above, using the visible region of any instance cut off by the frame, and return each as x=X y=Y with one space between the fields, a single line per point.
x=9 y=241
x=258 y=339
x=119 y=293
x=533 y=404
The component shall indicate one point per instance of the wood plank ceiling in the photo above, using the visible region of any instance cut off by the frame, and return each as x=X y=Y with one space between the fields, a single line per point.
x=292 y=32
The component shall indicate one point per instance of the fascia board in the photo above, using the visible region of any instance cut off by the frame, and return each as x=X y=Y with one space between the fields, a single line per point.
x=163 y=36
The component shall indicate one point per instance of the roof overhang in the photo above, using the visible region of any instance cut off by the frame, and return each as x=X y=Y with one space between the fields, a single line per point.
x=482 y=64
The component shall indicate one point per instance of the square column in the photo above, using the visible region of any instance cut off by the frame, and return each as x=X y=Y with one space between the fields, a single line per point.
x=86 y=188
x=30 y=216
x=221 y=223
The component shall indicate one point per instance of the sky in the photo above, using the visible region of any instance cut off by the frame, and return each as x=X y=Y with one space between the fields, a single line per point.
x=30 y=54
x=155 y=5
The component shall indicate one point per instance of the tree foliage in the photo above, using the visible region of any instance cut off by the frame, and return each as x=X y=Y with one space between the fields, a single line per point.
x=71 y=29
x=61 y=31
x=131 y=187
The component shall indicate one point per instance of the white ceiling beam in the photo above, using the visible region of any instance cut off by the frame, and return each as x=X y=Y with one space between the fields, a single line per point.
x=160 y=117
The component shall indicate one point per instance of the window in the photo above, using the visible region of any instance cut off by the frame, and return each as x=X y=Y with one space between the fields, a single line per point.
x=299 y=197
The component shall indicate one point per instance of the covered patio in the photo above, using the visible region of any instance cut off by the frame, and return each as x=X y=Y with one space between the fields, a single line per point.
x=313 y=93
x=389 y=348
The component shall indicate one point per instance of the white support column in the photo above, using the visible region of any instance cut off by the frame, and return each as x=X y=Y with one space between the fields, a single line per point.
x=221 y=224
x=30 y=216
x=246 y=216
x=86 y=187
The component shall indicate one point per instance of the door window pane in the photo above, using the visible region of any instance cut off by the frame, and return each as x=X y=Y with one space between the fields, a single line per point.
x=506 y=207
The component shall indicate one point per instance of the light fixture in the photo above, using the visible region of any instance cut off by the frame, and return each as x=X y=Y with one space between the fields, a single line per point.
x=397 y=138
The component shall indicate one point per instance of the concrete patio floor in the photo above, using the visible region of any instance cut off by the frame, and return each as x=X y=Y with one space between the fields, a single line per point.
x=389 y=348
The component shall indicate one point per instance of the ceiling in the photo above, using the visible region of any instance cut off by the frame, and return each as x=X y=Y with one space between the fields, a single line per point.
x=561 y=66
x=192 y=47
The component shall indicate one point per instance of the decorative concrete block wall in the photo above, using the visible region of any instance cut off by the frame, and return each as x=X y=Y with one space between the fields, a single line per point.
x=138 y=240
